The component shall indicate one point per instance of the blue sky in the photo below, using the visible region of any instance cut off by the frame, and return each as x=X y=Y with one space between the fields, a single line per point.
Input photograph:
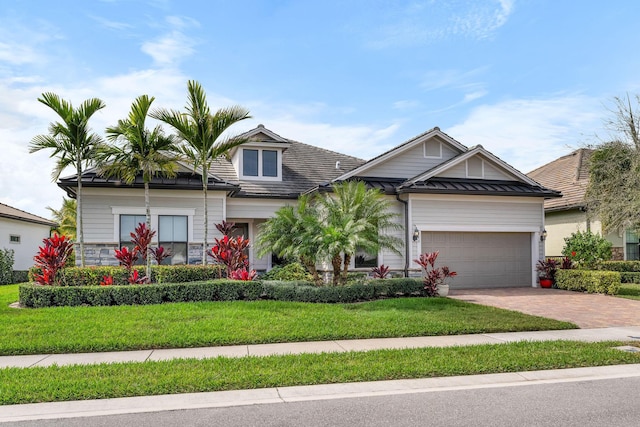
x=530 y=80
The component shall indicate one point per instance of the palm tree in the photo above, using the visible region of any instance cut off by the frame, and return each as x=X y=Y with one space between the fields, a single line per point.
x=142 y=150
x=66 y=218
x=354 y=217
x=292 y=233
x=72 y=142
x=201 y=133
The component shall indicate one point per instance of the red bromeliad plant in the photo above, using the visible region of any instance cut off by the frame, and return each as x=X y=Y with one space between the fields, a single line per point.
x=52 y=257
x=433 y=277
x=243 y=274
x=380 y=272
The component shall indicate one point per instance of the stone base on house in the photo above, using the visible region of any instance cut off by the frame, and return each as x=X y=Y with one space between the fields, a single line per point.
x=104 y=254
x=617 y=254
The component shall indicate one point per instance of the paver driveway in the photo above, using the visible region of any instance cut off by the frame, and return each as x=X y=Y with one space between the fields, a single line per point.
x=585 y=310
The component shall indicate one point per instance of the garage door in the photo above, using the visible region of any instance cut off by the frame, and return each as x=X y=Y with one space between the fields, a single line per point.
x=483 y=260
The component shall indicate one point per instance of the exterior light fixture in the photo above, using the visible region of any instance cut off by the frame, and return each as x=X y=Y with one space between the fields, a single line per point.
x=543 y=235
x=416 y=233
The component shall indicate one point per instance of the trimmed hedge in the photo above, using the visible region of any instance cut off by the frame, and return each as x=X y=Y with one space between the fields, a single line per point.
x=92 y=276
x=37 y=296
x=622 y=266
x=603 y=282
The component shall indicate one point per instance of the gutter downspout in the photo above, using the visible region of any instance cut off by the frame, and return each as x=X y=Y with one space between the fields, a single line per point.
x=406 y=234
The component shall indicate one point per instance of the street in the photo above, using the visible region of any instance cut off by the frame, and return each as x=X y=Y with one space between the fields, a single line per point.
x=610 y=402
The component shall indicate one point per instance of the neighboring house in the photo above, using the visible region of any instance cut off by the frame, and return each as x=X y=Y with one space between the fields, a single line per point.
x=485 y=217
x=570 y=175
x=23 y=232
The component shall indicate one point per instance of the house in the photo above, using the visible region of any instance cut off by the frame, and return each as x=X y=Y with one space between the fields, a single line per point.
x=485 y=217
x=23 y=233
x=570 y=175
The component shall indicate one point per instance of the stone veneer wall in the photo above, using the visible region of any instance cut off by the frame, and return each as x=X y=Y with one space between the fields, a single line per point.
x=617 y=254
x=104 y=254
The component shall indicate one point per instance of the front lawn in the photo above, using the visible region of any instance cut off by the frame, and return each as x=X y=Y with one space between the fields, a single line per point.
x=91 y=329
x=190 y=376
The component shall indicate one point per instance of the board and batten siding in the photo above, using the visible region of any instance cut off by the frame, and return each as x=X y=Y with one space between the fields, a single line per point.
x=241 y=208
x=387 y=257
x=409 y=163
x=490 y=172
x=102 y=206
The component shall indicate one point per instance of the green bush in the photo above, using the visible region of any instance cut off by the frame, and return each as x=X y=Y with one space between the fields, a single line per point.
x=20 y=276
x=630 y=277
x=629 y=289
x=602 y=282
x=92 y=276
x=36 y=296
x=626 y=266
x=6 y=266
x=589 y=248
x=292 y=271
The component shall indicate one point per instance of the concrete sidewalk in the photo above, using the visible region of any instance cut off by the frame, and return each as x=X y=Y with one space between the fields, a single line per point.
x=631 y=333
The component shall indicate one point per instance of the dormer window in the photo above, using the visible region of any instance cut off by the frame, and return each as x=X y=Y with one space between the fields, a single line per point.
x=261 y=163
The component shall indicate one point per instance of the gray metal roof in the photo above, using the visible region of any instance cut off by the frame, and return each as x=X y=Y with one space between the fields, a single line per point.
x=477 y=187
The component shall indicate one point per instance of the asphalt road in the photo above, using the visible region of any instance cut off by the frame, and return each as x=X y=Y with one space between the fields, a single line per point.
x=612 y=402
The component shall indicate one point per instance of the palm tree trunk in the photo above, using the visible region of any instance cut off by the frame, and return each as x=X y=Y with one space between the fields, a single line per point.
x=79 y=215
x=311 y=266
x=147 y=206
x=206 y=217
x=345 y=269
x=336 y=262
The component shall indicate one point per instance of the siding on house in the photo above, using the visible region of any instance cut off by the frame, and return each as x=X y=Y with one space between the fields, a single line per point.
x=490 y=172
x=31 y=235
x=386 y=256
x=562 y=224
x=410 y=163
x=250 y=208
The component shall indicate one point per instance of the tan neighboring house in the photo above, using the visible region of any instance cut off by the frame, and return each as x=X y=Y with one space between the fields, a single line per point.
x=23 y=232
x=570 y=175
x=484 y=216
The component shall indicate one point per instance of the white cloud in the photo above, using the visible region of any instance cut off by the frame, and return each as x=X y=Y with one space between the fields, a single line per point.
x=171 y=48
x=528 y=133
x=406 y=104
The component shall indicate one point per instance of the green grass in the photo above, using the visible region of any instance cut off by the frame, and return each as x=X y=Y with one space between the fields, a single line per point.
x=630 y=291
x=188 y=376
x=90 y=329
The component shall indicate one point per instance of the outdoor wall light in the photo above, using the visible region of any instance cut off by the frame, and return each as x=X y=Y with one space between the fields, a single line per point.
x=543 y=235
x=416 y=233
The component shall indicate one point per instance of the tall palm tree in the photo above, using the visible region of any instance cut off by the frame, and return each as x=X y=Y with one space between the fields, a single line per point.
x=293 y=233
x=72 y=142
x=356 y=218
x=144 y=151
x=201 y=133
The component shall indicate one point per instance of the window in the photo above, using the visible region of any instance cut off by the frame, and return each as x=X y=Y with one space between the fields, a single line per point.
x=260 y=164
x=433 y=149
x=269 y=163
x=250 y=162
x=364 y=259
x=14 y=238
x=172 y=235
x=128 y=224
x=632 y=242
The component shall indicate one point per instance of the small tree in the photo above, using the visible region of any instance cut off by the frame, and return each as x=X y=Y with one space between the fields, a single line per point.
x=433 y=277
x=586 y=248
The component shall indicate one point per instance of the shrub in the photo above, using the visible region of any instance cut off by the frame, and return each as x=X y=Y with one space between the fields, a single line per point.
x=603 y=282
x=380 y=272
x=291 y=271
x=6 y=266
x=587 y=248
x=51 y=258
x=433 y=277
x=627 y=266
x=20 y=276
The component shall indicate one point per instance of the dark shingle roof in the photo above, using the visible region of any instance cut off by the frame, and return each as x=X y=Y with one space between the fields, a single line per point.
x=568 y=174
x=9 y=212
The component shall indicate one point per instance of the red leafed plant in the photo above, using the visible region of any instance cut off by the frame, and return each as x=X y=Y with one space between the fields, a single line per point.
x=141 y=238
x=225 y=228
x=380 y=272
x=160 y=253
x=106 y=281
x=52 y=257
x=243 y=274
x=231 y=252
x=433 y=277
x=127 y=259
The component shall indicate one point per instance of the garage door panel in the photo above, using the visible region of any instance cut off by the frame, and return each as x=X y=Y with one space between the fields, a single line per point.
x=483 y=260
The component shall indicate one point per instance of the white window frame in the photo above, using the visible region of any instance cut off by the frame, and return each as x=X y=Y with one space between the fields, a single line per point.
x=260 y=177
x=155 y=212
x=466 y=162
x=424 y=149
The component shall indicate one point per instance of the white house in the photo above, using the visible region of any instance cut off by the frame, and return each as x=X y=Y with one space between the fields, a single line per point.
x=23 y=233
x=485 y=217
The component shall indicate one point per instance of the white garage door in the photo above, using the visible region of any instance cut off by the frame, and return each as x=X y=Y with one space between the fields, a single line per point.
x=483 y=260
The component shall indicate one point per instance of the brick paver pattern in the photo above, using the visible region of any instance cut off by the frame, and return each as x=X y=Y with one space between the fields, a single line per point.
x=585 y=310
